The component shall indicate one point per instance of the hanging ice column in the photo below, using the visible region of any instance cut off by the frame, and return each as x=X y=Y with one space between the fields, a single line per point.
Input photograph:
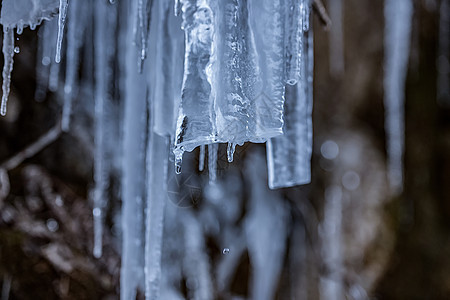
x=8 y=54
x=75 y=30
x=398 y=18
x=289 y=155
x=133 y=175
x=13 y=15
x=167 y=60
x=195 y=120
x=104 y=40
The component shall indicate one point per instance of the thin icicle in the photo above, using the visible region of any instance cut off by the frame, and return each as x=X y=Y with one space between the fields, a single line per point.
x=63 y=4
x=44 y=59
x=332 y=284
x=104 y=39
x=289 y=155
x=8 y=61
x=157 y=163
x=212 y=162
x=336 y=38
x=75 y=30
x=293 y=40
x=230 y=151
x=133 y=170
x=201 y=158
x=144 y=12
x=398 y=19
x=166 y=57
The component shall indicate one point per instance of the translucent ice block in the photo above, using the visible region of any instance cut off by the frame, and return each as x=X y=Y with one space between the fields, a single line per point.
x=289 y=155
x=195 y=122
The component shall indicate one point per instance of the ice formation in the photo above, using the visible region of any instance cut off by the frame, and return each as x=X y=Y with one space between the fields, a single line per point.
x=175 y=76
x=398 y=19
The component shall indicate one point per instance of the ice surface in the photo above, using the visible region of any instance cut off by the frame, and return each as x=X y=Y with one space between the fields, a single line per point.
x=289 y=155
x=398 y=19
x=20 y=13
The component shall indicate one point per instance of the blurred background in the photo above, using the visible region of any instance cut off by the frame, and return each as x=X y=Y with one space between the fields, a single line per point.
x=343 y=236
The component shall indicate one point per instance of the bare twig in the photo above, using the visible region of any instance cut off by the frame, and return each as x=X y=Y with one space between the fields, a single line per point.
x=34 y=148
x=319 y=8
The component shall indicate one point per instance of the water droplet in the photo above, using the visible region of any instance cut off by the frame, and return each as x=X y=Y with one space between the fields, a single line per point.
x=225 y=251
x=16 y=49
x=52 y=225
x=230 y=151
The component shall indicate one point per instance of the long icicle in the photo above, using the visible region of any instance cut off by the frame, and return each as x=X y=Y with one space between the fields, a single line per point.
x=104 y=39
x=63 y=4
x=75 y=29
x=133 y=171
x=157 y=163
x=8 y=57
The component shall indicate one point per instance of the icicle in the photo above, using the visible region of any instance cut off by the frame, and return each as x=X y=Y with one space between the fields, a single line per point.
x=75 y=29
x=267 y=21
x=201 y=158
x=266 y=230
x=144 y=9
x=398 y=18
x=166 y=55
x=8 y=60
x=104 y=38
x=63 y=4
x=289 y=155
x=336 y=38
x=194 y=124
x=230 y=151
x=52 y=33
x=330 y=233
x=212 y=162
x=196 y=261
x=177 y=7
x=443 y=64
x=235 y=75
x=133 y=171
x=156 y=201
x=293 y=40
